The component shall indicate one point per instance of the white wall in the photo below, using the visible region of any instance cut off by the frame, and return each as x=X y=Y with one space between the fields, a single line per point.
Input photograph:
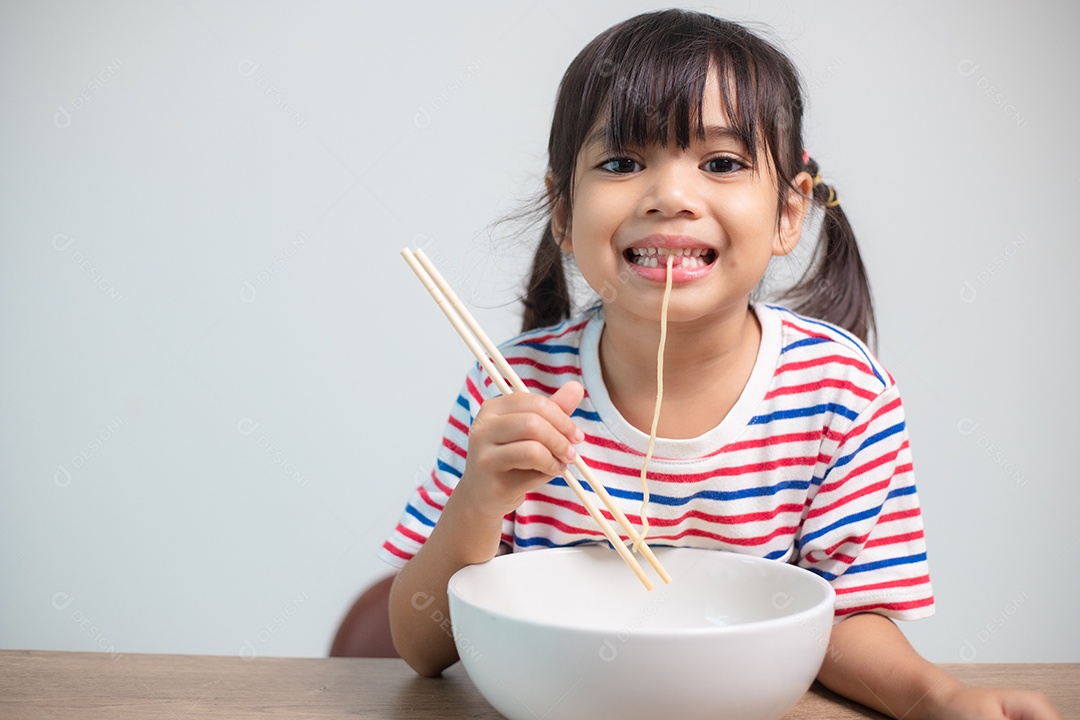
x=219 y=381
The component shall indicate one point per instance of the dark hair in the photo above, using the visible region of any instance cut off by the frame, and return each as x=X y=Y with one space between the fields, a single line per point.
x=646 y=76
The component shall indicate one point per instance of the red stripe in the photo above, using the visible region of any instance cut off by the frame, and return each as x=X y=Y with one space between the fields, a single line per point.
x=458 y=425
x=902 y=582
x=411 y=534
x=652 y=537
x=699 y=477
x=551 y=336
x=899 y=515
x=861 y=470
x=866 y=490
x=818 y=384
x=557 y=524
x=393 y=550
x=743 y=519
x=894 y=606
x=805 y=330
x=861 y=429
x=855 y=540
x=741 y=542
x=895 y=539
x=534 y=384
x=814 y=436
x=695 y=532
x=816 y=362
x=550 y=369
x=454 y=447
x=443 y=487
x=597 y=441
x=475 y=391
x=423 y=493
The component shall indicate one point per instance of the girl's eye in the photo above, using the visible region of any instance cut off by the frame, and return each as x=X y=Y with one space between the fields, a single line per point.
x=620 y=166
x=723 y=165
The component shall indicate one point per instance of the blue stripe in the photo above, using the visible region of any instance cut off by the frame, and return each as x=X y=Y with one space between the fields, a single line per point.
x=419 y=516
x=848 y=520
x=888 y=562
x=803 y=343
x=656 y=499
x=856 y=517
x=804 y=412
x=585 y=414
x=463 y=402
x=551 y=349
x=448 y=468
x=900 y=492
x=871 y=440
x=856 y=343
x=549 y=543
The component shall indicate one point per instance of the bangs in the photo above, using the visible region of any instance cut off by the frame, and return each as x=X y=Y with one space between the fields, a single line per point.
x=644 y=83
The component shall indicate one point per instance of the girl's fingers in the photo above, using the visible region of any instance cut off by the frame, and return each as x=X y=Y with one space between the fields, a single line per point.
x=554 y=409
x=568 y=397
x=525 y=457
x=528 y=429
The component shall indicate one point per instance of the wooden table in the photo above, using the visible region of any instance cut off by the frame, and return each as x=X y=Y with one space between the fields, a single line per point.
x=39 y=684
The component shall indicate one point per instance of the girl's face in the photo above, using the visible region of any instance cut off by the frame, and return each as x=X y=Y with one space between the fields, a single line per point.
x=706 y=205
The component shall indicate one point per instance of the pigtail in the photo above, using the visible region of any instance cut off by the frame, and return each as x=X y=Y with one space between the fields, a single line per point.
x=547 y=296
x=835 y=287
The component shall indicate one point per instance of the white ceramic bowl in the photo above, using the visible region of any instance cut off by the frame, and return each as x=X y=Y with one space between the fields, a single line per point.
x=572 y=633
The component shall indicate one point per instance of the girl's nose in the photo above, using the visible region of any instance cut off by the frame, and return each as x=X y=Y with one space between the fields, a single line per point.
x=674 y=189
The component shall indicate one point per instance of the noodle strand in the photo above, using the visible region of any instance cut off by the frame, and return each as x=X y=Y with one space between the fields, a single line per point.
x=656 y=409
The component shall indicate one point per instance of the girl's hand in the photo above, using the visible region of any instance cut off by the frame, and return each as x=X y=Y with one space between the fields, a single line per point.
x=516 y=443
x=979 y=703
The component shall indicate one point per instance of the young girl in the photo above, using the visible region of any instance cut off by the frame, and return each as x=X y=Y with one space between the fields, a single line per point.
x=677 y=143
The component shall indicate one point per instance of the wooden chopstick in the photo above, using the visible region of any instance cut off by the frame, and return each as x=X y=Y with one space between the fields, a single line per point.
x=507 y=381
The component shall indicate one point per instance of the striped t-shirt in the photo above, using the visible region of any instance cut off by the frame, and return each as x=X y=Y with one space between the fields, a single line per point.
x=811 y=466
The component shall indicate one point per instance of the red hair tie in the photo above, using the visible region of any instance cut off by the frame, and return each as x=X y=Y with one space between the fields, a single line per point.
x=805 y=156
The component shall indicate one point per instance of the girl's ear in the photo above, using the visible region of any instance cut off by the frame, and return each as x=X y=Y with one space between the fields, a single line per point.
x=560 y=216
x=793 y=213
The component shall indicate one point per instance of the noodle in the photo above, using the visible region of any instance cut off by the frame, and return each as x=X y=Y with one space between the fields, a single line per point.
x=656 y=410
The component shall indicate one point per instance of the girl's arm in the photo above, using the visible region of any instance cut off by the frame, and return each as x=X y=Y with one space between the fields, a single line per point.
x=516 y=443
x=870 y=661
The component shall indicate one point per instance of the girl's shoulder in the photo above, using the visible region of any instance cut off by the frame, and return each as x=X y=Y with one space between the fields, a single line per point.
x=821 y=348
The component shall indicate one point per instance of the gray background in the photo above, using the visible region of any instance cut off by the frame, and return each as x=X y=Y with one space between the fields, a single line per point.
x=220 y=382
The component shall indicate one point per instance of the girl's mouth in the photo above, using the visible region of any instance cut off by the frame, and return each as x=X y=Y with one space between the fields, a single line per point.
x=657 y=257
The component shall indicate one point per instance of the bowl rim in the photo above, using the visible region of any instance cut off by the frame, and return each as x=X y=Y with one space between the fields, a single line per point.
x=828 y=602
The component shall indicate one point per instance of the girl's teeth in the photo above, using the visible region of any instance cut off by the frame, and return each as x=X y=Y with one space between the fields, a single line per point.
x=657 y=257
x=654 y=257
